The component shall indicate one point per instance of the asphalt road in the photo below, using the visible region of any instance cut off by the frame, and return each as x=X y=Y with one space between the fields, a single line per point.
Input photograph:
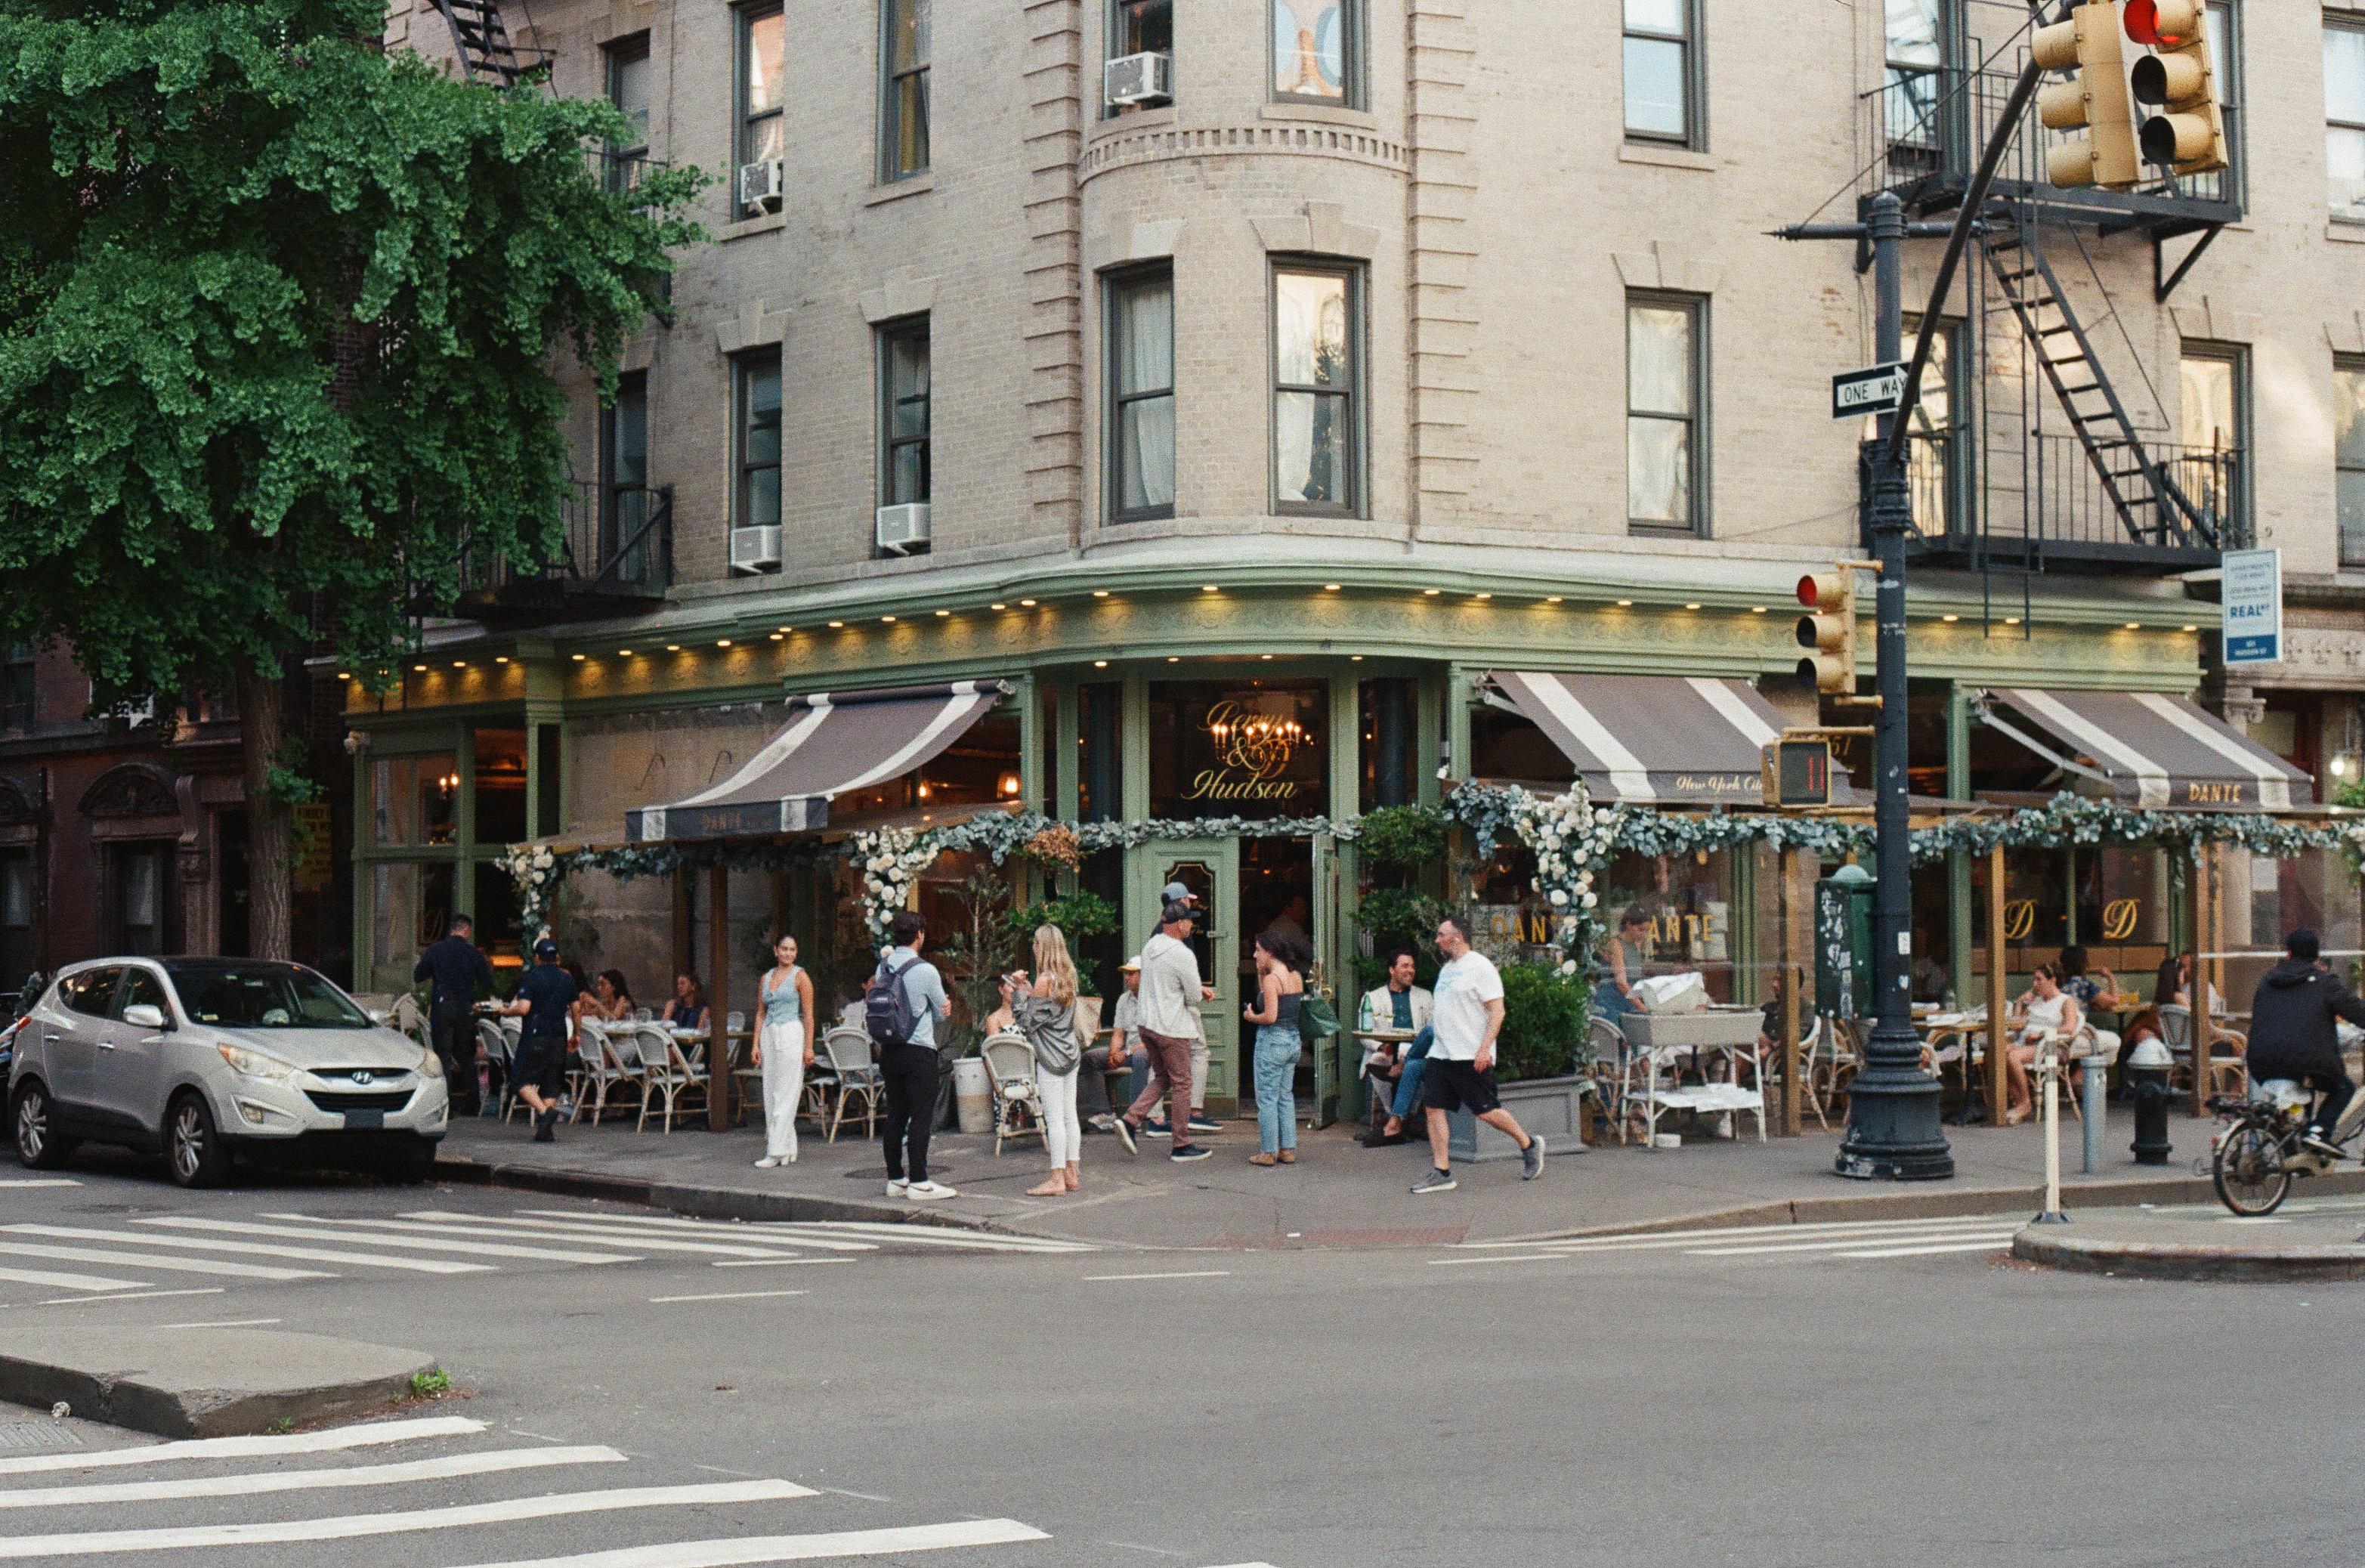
x=1881 y=1396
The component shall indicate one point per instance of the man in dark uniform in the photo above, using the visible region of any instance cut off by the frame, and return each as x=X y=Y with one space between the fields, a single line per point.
x=543 y=994
x=457 y=968
x=2292 y=1036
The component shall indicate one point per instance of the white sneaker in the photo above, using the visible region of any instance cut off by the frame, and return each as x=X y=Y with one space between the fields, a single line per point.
x=897 y=1187
x=766 y=1163
x=928 y=1191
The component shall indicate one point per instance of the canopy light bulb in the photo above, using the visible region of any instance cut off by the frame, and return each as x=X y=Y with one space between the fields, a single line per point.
x=1625 y=604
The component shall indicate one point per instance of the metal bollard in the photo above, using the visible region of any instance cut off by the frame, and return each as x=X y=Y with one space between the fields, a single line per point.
x=2148 y=1067
x=2048 y=1070
x=2098 y=1089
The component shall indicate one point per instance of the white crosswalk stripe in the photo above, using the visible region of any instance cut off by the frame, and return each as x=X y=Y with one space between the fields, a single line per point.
x=254 y=1249
x=221 y=1268
x=300 y=1227
x=67 y=1282
x=849 y=1234
x=1854 y=1240
x=687 y=1519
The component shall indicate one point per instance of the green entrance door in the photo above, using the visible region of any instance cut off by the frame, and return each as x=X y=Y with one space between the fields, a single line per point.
x=1210 y=868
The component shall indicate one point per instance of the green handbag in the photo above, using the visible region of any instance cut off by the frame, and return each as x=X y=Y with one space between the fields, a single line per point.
x=1315 y=1022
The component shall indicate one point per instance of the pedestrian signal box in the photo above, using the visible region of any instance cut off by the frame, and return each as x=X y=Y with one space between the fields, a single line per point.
x=1798 y=773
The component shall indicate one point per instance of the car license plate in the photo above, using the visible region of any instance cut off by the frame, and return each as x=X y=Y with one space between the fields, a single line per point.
x=354 y=1119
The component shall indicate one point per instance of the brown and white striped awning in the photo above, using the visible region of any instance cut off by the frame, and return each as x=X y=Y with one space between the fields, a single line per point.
x=1651 y=739
x=834 y=742
x=2149 y=750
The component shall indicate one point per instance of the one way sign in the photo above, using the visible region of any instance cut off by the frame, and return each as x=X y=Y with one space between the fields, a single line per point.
x=1857 y=393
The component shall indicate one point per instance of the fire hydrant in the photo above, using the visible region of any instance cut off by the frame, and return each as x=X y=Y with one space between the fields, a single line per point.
x=2147 y=1064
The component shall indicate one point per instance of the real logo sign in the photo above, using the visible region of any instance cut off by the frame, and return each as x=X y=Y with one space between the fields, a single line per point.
x=2253 y=606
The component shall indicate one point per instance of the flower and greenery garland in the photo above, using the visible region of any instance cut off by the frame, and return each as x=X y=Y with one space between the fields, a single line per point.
x=1572 y=839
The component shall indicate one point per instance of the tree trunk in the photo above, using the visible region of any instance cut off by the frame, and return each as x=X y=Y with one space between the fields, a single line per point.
x=270 y=825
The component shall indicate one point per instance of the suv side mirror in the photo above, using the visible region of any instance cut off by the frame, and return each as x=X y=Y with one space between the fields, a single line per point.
x=145 y=1015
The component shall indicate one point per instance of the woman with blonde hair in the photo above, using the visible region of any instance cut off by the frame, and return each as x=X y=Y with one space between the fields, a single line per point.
x=1045 y=1007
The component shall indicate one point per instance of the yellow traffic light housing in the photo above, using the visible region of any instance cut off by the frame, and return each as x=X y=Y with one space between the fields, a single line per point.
x=2188 y=134
x=1828 y=632
x=2095 y=100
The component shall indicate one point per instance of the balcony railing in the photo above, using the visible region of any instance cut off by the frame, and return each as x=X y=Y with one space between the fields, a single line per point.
x=2062 y=519
x=1931 y=123
x=616 y=551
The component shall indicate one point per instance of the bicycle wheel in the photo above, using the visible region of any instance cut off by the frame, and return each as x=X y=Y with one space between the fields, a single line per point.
x=2249 y=1172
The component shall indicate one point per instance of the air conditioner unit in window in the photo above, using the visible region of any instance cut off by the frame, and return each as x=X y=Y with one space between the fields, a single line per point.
x=756 y=549
x=760 y=185
x=903 y=528
x=1138 y=79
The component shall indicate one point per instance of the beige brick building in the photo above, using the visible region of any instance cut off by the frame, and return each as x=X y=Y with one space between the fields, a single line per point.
x=1476 y=354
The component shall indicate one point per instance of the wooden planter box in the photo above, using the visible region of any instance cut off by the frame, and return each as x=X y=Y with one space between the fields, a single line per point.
x=1552 y=1106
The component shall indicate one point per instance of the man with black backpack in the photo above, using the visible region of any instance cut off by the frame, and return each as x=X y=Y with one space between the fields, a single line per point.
x=905 y=998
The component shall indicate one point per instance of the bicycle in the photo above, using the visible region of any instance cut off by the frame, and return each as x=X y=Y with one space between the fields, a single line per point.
x=2256 y=1156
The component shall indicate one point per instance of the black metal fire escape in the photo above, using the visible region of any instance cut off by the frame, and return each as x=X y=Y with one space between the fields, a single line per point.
x=481 y=39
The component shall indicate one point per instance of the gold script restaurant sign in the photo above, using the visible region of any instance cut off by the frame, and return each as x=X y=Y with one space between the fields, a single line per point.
x=1252 y=752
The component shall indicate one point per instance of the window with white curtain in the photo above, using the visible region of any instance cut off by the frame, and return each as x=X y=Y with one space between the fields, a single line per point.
x=762 y=135
x=1140 y=378
x=2349 y=456
x=1316 y=455
x=1665 y=382
x=2344 y=117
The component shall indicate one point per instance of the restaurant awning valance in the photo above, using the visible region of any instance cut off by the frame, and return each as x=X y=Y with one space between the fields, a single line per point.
x=833 y=741
x=1650 y=739
x=2149 y=750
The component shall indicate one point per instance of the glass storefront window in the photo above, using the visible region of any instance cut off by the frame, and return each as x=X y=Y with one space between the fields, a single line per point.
x=414 y=800
x=410 y=906
x=1688 y=899
x=978 y=769
x=1247 y=748
x=500 y=786
x=1390 y=773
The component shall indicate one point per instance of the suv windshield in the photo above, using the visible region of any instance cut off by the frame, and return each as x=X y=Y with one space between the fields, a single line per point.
x=262 y=996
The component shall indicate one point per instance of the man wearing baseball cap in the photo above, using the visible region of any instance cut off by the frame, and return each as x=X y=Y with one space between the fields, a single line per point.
x=543 y=994
x=1177 y=895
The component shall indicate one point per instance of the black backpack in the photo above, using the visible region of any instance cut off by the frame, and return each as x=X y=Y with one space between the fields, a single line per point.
x=888 y=1015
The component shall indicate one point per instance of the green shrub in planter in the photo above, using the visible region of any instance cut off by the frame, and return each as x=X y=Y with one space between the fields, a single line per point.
x=1544 y=1023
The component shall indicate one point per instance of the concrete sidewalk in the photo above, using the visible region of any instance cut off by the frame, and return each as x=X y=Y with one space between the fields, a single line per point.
x=1339 y=1194
x=2308 y=1238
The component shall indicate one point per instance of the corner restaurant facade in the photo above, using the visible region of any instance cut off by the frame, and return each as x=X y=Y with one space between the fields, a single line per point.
x=1177 y=684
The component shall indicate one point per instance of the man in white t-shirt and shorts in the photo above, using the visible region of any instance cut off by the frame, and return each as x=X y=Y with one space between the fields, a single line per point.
x=1466 y=1017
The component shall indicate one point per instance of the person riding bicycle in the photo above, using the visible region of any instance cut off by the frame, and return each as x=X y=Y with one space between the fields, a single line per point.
x=2292 y=1036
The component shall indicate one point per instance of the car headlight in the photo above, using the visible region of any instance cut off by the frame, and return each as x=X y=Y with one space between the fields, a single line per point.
x=253 y=1064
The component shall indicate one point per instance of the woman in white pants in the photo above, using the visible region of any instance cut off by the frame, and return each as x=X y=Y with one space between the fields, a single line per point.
x=1046 y=1015
x=784 y=1048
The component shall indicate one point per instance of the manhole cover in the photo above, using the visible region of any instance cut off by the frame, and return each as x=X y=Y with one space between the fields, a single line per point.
x=37 y=1435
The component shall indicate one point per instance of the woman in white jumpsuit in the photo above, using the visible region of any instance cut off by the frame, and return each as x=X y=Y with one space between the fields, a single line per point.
x=784 y=1048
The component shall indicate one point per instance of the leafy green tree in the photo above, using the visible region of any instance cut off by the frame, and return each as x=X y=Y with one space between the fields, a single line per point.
x=281 y=319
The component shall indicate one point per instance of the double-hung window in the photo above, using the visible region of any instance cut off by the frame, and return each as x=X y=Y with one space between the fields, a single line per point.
x=1666 y=384
x=1138 y=26
x=1316 y=385
x=903 y=411
x=2344 y=117
x=1140 y=378
x=757 y=401
x=2214 y=397
x=1662 y=72
x=1914 y=86
x=762 y=135
x=902 y=88
x=2348 y=457
x=1317 y=51
x=627 y=63
x=16 y=687
x=624 y=464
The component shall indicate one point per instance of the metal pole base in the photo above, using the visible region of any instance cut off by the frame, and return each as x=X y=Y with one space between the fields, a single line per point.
x=1893 y=1133
x=2051 y=1217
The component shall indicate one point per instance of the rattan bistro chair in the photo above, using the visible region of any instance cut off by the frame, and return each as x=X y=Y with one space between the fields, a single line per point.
x=1017 y=1101
x=847 y=1051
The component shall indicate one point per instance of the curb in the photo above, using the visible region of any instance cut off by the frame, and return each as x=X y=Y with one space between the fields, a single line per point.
x=2153 y=1261
x=1934 y=1204
x=694 y=1203
x=216 y=1382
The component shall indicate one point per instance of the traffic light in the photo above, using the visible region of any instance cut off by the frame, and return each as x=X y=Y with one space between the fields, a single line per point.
x=2088 y=43
x=1828 y=632
x=2188 y=134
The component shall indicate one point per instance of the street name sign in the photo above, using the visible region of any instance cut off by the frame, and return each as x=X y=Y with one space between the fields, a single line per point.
x=1857 y=393
x=2253 y=606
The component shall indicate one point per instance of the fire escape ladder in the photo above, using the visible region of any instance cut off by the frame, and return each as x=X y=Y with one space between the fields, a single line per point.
x=2151 y=506
x=482 y=39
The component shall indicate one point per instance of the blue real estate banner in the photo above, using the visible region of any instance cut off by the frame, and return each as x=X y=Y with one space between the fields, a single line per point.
x=2253 y=606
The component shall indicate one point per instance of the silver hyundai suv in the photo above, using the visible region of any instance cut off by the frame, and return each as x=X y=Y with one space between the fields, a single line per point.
x=205 y=1059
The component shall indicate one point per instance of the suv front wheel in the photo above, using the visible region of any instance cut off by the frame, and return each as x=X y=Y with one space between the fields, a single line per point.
x=39 y=1145
x=192 y=1150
